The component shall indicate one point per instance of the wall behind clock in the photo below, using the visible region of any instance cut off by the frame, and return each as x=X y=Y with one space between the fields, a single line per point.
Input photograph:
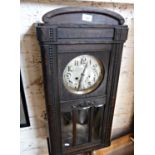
x=33 y=138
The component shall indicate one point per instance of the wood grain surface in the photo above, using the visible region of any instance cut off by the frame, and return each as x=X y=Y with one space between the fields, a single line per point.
x=122 y=141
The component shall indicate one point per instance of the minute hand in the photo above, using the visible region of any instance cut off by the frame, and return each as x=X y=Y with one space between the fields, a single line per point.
x=82 y=74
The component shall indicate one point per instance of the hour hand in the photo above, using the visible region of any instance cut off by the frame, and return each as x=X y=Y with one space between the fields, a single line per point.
x=82 y=75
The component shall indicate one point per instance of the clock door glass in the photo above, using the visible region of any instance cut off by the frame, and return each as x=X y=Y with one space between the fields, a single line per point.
x=82 y=125
x=83 y=74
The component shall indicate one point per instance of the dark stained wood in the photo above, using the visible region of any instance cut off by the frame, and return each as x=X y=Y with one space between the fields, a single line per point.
x=74 y=119
x=63 y=36
x=72 y=14
x=91 y=112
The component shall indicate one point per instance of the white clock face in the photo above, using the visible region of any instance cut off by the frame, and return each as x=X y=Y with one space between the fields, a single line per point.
x=83 y=74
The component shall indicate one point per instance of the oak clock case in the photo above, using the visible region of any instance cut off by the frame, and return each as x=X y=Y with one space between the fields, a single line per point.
x=81 y=50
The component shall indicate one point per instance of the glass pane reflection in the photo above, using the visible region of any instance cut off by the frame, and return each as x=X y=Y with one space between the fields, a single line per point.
x=66 y=125
x=97 y=126
x=82 y=125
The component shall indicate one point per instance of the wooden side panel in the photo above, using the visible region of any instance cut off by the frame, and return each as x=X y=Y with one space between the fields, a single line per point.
x=49 y=58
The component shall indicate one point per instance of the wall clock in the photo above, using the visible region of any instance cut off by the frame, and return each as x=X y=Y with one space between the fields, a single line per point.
x=81 y=50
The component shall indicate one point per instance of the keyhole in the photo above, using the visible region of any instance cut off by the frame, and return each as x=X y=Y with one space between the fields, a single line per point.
x=76 y=78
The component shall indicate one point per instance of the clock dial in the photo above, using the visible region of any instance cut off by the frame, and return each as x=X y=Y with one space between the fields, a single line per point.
x=83 y=74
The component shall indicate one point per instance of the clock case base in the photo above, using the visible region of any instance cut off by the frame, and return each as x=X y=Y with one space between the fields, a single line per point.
x=59 y=43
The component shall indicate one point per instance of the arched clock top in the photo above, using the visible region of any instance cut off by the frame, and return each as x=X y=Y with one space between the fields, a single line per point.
x=83 y=15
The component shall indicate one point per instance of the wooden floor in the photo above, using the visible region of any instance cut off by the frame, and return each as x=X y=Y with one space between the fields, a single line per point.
x=120 y=146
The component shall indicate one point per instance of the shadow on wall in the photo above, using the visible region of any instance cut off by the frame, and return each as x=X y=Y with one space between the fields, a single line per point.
x=31 y=70
x=119 y=132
